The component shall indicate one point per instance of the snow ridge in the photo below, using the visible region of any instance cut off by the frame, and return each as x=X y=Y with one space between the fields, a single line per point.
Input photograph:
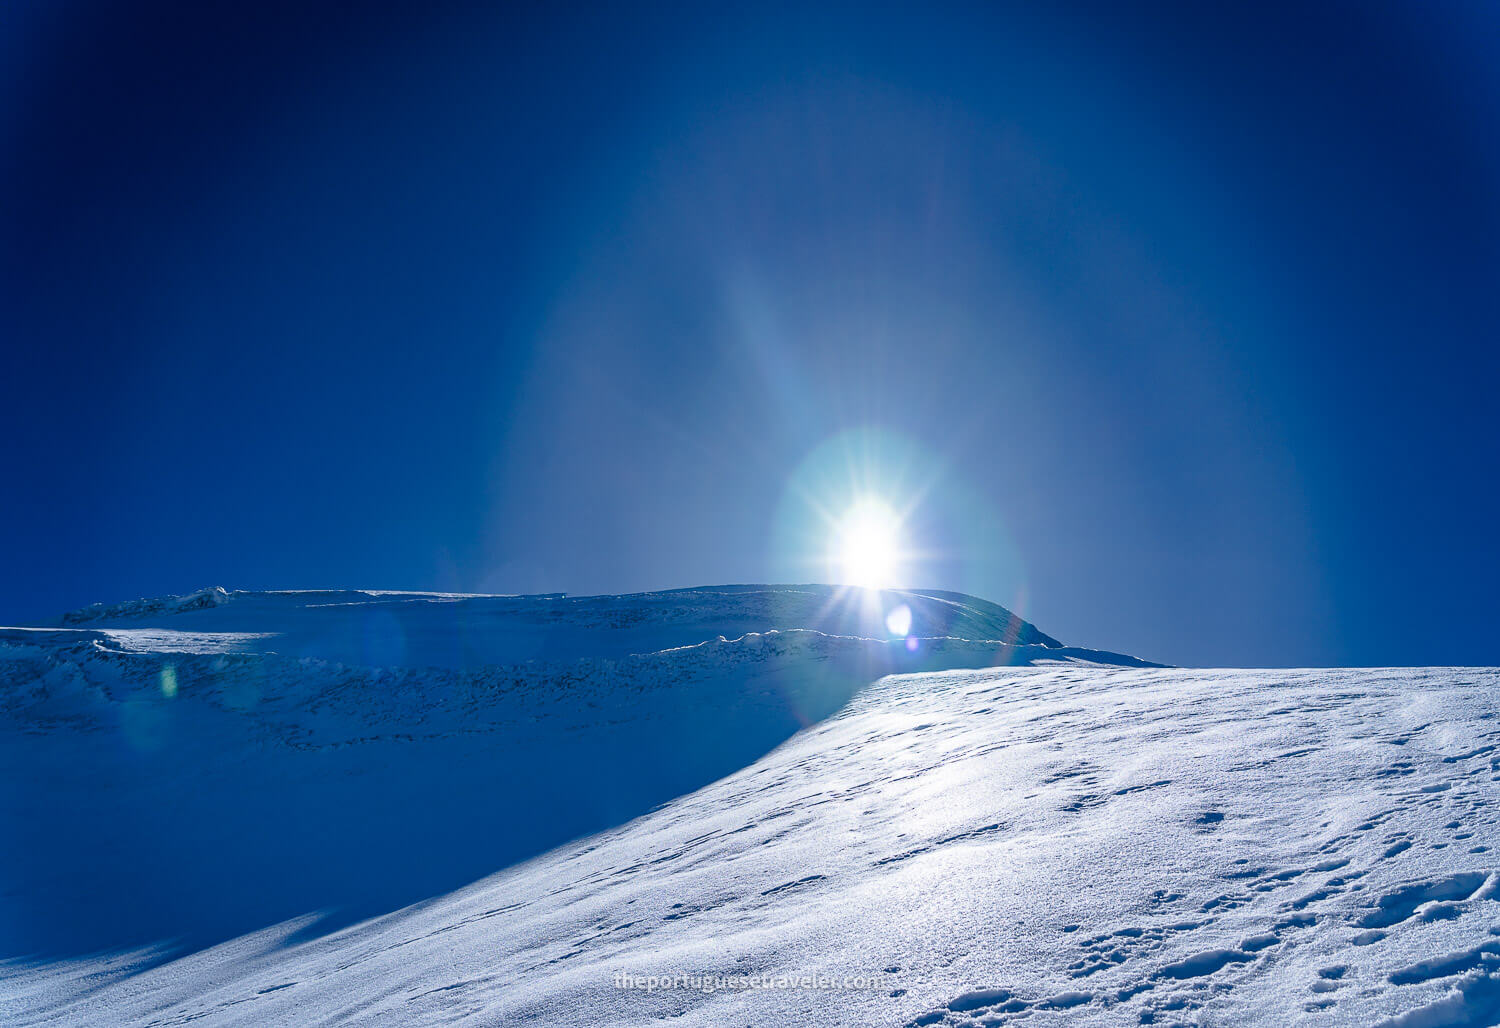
x=214 y=596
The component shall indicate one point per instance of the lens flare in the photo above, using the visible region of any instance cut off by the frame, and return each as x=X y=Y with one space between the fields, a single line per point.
x=898 y=620
x=169 y=680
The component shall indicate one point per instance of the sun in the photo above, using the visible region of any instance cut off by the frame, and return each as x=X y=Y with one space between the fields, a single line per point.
x=866 y=548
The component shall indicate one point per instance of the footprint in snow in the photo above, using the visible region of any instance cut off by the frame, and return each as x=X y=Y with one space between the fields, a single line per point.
x=1406 y=902
x=994 y=1007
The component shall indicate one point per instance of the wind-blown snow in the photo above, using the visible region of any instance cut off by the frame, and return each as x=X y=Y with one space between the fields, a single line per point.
x=1065 y=843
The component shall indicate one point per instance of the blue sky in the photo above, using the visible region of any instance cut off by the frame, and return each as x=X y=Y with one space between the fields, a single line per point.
x=1170 y=326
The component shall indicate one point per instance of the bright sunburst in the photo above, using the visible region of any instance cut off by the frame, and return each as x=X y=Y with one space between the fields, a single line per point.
x=867 y=545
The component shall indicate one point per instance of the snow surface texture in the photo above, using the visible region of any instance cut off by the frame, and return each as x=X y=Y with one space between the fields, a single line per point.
x=1058 y=844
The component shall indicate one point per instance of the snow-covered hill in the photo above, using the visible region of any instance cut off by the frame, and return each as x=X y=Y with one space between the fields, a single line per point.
x=1071 y=842
x=191 y=768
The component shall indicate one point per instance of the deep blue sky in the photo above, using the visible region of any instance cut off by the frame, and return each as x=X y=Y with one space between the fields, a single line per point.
x=1180 y=320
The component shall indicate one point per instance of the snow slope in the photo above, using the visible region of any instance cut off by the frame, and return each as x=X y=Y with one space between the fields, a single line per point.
x=192 y=768
x=1065 y=843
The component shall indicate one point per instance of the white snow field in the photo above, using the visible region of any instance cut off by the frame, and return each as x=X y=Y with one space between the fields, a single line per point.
x=216 y=812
